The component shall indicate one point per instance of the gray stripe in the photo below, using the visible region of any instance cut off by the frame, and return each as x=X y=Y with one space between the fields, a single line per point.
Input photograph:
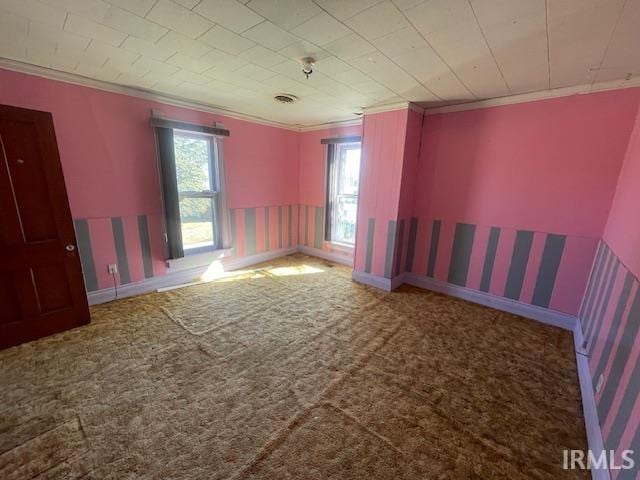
x=399 y=246
x=391 y=248
x=461 y=253
x=289 y=230
x=232 y=221
x=623 y=415
x=86 y=255
x=602 y=287
x=631 y=473
x=306 y=225
x=121 y=250
x=250 y=231
x=411 y=248
x=266 y=229
x=433 y=247
x=596 y=287
x=589 y=289
x=280 y=226
x=613 y=329
x=300 y=226
x=371 y=228
x=546 y=279
x=596 y=325
x=145 y=244
x=489 y=259
x=317 y=227
x=620 y=359
x=518 y=266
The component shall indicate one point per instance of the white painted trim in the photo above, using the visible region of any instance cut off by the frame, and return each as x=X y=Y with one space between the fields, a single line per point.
x=386 y=284
x=242 y=262
x=591 y=420
x=356 y=122
x=166 y=99
x=177 y=277
x=399 y=280
x=145 y=286
x=76 y=79
x=535 y=96
x=315 y=252
x=416 y=108
x=394 y=106
x=544 y=315
x=197 y=260
x=390 y=107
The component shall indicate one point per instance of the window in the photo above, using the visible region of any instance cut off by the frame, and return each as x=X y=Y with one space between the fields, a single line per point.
x=198 y=188
x=342 y=192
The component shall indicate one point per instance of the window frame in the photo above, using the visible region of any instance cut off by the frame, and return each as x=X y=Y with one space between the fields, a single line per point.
x=331 y=193
x=214 y=193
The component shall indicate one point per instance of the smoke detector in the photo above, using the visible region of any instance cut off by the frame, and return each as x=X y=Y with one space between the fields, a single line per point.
x=285 y=98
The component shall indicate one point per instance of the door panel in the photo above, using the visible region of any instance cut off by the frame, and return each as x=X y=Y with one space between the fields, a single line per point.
x=52 y=288
x=41 y=285
x=8 y=298
x=27 y=176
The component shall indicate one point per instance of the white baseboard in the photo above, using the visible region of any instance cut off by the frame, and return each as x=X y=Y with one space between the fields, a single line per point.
x=591 y=419
x=177 y=277
x=544 y=315
x=242 y=262
x=386 y=284
x=145 y=286
x=332 y=257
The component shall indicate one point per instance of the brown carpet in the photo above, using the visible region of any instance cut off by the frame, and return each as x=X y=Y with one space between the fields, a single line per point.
x=292 y=373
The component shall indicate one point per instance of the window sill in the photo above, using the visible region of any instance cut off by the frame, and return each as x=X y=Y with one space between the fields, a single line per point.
x=198 y=259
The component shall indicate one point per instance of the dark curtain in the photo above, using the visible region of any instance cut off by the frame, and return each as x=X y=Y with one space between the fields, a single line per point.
x=331 y=172
x=170 y=191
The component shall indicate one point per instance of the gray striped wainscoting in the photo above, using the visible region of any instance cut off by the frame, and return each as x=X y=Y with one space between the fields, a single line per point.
x=461 y=248
x=610 y=318
x=114 y=235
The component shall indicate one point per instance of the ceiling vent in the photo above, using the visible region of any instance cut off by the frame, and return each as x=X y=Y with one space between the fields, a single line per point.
x=285 y=98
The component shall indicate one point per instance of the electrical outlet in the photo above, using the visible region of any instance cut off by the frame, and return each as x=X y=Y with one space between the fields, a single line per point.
x=112 y=269
x=600 y=382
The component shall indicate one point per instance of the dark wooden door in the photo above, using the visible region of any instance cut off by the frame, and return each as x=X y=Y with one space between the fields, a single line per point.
x=41 y=286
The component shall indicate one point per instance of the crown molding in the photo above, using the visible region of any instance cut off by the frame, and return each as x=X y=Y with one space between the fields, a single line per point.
x=394 y=106
x=536 y=96
x=326 y=126
x=175 y=101
x=390 y=107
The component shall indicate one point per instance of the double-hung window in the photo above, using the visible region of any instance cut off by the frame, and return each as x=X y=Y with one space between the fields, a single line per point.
x=191 y=170
x=198 y=189
x=342 y=193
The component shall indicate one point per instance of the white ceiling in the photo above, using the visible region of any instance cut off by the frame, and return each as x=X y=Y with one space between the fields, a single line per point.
x=238 y=54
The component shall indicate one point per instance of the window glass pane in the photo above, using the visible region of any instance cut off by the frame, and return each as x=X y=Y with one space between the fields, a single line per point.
x=192 y=163
x=343 y=203
x=196 y=215
x=349 y=171
x=344 y=228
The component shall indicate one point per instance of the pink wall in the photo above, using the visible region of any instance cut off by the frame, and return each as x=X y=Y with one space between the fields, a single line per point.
x=108 y=155
x=312 y=186
x=622 y=232
x=548 y=166
x=313 y=162
x=383 y=147
x=545 y=167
